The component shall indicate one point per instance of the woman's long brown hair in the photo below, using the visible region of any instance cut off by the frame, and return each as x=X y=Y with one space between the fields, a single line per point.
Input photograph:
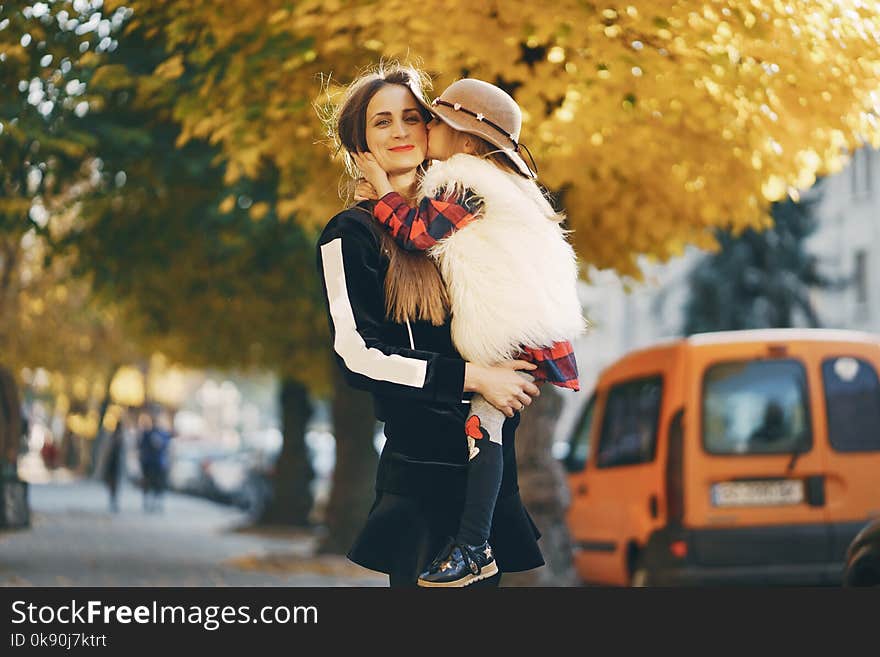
x=414 y=289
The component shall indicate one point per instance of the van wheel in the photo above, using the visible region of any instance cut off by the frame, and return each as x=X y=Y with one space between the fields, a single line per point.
x=640 y=576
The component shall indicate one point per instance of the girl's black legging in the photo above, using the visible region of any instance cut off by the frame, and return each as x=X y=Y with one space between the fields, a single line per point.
x=484 y=428
x=483 y=483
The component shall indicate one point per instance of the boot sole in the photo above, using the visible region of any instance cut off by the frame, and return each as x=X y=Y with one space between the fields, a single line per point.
x=487 y=571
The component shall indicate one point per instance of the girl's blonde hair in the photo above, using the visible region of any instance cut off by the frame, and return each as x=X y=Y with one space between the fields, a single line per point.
x=414 y=289
x=489 y=151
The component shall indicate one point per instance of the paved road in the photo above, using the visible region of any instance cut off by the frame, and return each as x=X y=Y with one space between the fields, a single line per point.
x=75 y=541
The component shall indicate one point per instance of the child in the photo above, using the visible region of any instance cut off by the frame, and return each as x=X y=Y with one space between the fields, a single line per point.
x=510 y=273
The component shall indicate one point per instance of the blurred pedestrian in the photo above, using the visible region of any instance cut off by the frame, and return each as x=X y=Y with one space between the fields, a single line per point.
x=153 y=448
x=113 y=465
x=49 y=452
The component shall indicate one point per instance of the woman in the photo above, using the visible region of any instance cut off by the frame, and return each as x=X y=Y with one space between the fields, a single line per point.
x=389 y=321
x=113 y=465
x=503 y=255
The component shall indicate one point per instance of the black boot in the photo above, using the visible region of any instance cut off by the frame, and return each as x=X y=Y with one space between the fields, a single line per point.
x=459 y=564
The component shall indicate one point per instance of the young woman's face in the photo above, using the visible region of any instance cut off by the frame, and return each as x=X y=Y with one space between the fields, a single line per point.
x=396 y=134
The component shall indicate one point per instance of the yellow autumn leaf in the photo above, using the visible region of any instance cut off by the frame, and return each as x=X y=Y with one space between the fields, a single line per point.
x=258 y=211
x=171 y=69
x=228 y=204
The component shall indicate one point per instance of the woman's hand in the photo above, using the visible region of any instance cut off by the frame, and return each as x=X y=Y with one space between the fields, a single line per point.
x=374 y=174
x=501 y=386
x=364 y=191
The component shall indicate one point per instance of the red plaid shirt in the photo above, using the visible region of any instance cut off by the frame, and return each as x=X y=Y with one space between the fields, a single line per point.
x=420 y=228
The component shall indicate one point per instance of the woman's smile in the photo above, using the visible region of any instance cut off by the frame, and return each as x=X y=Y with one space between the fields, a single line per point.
x=402 y=149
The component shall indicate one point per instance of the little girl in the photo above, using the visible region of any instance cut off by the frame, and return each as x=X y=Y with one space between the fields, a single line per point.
x=510 y=273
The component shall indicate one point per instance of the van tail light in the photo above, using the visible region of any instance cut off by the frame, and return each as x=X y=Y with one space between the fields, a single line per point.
x=679 y=549
x=675 y=470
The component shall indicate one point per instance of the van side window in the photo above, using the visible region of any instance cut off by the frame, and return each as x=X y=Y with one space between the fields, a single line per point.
x=756 y=407
x=579 y=446
x=629 y=427
x=852 y=402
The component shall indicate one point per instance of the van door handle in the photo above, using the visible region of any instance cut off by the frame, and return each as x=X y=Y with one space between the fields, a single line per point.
x=581 y=490
x=816 y=490
x=653 y=506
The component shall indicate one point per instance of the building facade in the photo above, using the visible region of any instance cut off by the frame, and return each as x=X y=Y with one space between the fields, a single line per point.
x=848 y=245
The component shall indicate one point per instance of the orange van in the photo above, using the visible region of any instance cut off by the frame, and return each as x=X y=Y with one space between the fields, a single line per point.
x=743 y=456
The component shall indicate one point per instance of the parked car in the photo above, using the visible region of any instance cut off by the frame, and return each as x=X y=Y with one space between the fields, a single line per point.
x=863 y=557
x=239 y=478
x=747 y=456
x=188 y=468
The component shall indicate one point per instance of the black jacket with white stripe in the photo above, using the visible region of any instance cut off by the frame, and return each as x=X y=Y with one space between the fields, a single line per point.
x=416 y=380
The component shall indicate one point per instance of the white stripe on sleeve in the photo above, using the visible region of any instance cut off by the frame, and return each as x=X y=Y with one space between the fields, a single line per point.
x=349 y=344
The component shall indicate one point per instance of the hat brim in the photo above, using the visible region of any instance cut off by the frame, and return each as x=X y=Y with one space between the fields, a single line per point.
x=421 y=101
x=469 y=124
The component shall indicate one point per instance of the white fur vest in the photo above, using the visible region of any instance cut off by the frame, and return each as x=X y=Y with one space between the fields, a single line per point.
x=511 y=274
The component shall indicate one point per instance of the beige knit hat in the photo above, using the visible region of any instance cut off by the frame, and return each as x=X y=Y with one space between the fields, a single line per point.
x=482 y=109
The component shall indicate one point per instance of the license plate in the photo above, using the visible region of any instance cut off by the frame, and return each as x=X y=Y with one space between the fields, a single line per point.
x=757 y=493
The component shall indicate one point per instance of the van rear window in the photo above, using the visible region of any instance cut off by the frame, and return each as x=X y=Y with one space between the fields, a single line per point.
x=852 y=402
x=756 y=407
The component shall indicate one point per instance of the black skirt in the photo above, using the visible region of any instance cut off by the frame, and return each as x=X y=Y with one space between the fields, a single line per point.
x=403 y=533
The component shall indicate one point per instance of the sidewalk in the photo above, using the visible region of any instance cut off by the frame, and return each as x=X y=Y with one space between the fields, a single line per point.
x=75 y=541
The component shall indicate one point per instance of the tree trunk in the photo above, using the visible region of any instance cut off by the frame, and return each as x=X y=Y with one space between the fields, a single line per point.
x=8 y=264
x=544 y=492
x=355 y=472
x=10 y=417
x=292 y=497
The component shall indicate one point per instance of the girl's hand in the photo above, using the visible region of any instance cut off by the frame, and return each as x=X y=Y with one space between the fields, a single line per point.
x=364 y=191
x=501 y=386
x=374 y=174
